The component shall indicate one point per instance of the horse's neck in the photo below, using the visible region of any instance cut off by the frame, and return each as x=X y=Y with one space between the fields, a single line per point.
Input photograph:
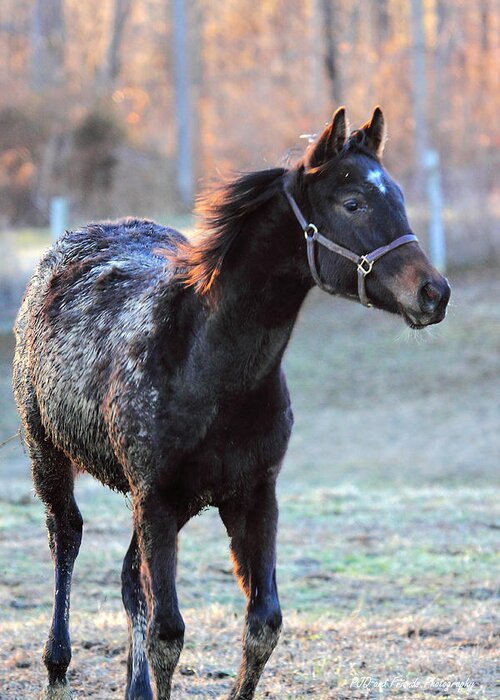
x=251 y=325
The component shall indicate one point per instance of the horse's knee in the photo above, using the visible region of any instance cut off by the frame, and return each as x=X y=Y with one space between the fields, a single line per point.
x=170 y=628
x=263 y=631
x=270 y=619
x=166 y=635
x=165 y=639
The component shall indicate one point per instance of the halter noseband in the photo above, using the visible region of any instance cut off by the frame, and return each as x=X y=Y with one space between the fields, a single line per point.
x=364 y=263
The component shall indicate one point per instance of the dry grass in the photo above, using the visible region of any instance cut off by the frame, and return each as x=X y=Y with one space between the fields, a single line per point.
x=388 y=533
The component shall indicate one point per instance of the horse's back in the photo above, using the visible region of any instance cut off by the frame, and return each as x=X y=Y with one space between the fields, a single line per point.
x=87 y=311
x=124 y=257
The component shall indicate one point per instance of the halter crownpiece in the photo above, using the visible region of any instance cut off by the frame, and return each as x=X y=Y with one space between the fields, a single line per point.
x=364 y=263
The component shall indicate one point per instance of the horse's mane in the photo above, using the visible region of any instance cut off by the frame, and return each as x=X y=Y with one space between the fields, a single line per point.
x=222 y=214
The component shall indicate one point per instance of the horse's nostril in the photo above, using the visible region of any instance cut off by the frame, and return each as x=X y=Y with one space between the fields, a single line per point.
x=430 y=296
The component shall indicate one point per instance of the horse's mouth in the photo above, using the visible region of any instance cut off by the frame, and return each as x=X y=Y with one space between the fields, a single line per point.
x=411 y=321
x=416 y=324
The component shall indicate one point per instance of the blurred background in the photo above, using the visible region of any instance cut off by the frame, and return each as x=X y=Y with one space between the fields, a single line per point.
x=131 y=106
x=389 y=498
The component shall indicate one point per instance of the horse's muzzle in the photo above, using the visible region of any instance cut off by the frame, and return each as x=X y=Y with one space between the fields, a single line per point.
x=432 y=297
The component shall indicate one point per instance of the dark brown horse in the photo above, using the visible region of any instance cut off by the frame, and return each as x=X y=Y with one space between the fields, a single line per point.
x=154 y=364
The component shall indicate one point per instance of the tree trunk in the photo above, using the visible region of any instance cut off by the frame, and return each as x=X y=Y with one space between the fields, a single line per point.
x=316 y=58
x=427 y=160
x=382 y=20
x=441 y=57
x=485 y=12
x=421 y=139
x=112 y=64
x=184 y=170
x=47 y=44
x=331 y=51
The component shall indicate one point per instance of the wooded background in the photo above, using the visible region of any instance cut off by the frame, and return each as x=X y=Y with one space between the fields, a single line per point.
x=92 y=108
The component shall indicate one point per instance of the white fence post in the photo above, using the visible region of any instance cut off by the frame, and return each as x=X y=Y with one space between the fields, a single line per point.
x=58 y=216
x=437 y=240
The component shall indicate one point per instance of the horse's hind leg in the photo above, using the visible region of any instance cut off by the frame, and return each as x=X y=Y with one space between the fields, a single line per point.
x=252 y=530
x=53 y=480
x=138 y=686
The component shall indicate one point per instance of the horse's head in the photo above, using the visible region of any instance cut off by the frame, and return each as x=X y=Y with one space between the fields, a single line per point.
x=353 y=203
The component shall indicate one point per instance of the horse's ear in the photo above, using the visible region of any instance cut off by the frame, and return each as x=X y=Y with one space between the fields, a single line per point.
x=375 y=132
x=330 y=142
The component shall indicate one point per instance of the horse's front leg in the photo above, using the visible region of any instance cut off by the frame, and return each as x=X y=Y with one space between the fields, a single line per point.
x=157 y=526
x=252 y=529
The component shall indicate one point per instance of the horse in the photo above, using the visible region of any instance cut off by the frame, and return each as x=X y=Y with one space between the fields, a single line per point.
x=154 y=363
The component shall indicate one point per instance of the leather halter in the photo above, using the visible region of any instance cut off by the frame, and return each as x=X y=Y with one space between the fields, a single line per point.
x=364 y=263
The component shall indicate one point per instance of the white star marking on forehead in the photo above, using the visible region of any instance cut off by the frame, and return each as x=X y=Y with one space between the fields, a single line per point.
x=376 y=177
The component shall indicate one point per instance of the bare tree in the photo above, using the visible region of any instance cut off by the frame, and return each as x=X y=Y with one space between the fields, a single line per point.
x=47 y=43
x=419 y=88
x=183 y=103
x=112 y=64
x=331 y=50
x=382 y=20
x=427 y=159
x=484 y=19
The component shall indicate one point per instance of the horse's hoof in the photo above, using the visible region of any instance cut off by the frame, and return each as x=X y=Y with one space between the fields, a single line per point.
x=58 y=691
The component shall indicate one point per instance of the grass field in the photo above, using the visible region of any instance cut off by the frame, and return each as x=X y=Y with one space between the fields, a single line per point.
x=389 y=521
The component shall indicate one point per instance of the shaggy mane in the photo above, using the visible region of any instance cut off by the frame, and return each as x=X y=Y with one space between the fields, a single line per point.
x=223 y=214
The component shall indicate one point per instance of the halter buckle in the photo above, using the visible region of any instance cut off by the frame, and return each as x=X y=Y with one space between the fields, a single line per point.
x=361 y=265
x=310 y=232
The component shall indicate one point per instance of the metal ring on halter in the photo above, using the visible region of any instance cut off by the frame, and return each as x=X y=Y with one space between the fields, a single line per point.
x=361 y=265
x=310 y=232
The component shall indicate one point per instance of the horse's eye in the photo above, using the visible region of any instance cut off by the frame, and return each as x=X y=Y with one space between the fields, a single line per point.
x=351 y=204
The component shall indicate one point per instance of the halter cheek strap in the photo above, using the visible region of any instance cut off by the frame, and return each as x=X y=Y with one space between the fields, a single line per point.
x=364 y=263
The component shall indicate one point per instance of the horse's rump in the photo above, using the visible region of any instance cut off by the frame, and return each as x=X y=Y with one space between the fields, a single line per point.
x=86 y=316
